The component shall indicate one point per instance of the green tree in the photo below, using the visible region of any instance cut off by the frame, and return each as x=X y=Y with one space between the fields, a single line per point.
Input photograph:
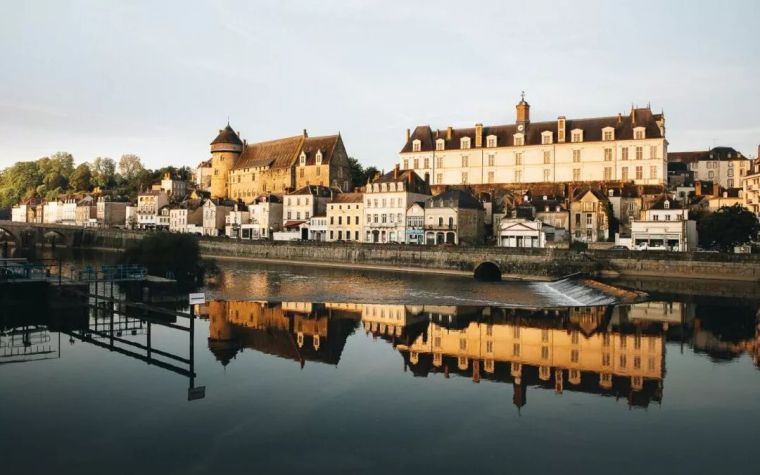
x=81 y=179
x=130 y=166
x=727 y=227
x=103 y=171
x=19 y=181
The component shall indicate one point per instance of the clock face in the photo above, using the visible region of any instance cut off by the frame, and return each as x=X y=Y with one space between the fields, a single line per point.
x=520 y=127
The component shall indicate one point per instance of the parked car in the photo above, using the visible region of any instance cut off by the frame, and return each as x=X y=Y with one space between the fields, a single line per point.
x=619 y=248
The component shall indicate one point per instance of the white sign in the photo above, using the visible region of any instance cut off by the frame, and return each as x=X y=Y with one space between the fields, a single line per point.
x=197 y=299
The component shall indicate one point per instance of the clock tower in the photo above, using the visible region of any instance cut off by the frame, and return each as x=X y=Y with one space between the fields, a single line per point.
x=523 y=113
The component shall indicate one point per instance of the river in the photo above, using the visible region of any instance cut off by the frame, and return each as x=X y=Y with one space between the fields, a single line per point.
x=351 y=371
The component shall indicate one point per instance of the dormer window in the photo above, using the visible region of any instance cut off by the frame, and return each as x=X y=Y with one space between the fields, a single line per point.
x=303 y=159
x=638 y=133
x=464 y=143
x=666 y=204
x=416 y=145
x=440 y=144
x=608 y=134
x=491 y=141
x=519 y=140
x=576 y=135
x=546 y=137
x=319 y=157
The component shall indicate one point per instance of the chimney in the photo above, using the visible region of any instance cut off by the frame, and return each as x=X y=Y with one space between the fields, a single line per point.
x=449 y=133
x=395 y=171
x=478 y=135
x=305 y=134
x=620 y=119
x=561 y=129
x=408 y=134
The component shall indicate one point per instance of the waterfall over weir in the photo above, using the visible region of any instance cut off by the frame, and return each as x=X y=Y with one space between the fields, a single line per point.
x=573 y=291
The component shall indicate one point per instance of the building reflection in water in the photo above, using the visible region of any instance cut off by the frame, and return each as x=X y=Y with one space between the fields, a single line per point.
x=610 y=351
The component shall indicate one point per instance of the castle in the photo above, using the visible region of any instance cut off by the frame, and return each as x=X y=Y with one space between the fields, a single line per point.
x=243 y=171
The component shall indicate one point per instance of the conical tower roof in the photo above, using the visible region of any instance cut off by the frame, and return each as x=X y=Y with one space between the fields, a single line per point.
x=227 y=136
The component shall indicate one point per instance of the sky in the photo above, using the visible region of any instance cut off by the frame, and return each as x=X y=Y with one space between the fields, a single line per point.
x=159 y=78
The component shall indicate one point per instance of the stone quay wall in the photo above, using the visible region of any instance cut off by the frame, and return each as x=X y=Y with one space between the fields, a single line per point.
x=528 y=263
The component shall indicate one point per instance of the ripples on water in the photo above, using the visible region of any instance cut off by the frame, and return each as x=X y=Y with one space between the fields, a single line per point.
x=377 y=372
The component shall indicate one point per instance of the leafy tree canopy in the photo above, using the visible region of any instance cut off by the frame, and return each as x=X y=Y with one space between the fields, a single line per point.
x=727 y=227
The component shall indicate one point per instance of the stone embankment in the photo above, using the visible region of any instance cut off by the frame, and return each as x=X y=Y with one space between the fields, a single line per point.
x=512 y=263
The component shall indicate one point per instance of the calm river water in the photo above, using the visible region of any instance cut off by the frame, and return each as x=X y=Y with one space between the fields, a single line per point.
x=335 y=371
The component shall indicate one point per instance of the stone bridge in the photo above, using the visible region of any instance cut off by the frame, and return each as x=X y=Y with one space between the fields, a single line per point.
x=29 y=234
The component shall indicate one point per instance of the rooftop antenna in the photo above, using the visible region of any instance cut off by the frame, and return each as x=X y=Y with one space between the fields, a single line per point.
x=522 y=95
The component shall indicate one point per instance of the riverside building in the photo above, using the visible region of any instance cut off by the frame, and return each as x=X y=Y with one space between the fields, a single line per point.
x=629 y=147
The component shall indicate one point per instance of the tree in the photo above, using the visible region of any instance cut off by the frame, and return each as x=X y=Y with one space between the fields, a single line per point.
x=727 y=227
x=357 y=173
x=81 y=179
x=103 y=171
x=369 y=173
x=18 y=182
x=129 y=166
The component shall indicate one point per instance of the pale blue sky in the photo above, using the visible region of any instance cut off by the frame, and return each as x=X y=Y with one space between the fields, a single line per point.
x=158 y=78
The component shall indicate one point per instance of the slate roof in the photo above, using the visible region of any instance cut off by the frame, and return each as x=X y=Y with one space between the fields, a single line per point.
x=716 y=153
x=227 y=135
x=348 y=198
x=314 y=190
x=592 y=131
x=286 y=152
x=455 y=199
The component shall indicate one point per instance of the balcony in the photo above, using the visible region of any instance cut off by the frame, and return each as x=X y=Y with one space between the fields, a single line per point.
x=440 y=227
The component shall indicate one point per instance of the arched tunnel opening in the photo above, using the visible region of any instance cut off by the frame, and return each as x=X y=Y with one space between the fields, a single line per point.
x=487 y=272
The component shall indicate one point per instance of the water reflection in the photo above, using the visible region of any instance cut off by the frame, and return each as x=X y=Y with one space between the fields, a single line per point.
x=610 y=351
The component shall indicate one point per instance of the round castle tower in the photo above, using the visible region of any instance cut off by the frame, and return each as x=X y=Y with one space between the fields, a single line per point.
x=225 y=150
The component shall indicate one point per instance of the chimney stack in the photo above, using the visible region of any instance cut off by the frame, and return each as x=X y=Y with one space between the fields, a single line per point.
x=478 y=135
x=408 y=134
x=305 y=134
x=449 y=133
x=395 y=171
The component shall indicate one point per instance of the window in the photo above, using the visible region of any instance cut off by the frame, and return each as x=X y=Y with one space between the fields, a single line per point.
x=439 y=162
x=544 y=335
x=711 y=174
x=491 y=159
x=547 y=174
x=576 y=156
x=518 y=176
x=607 y=154
x=547 y=157
x=489 y=346
x=427 y=163
x=462 y=344
x=518 y=140
x=464 y=178
x=491 y=141
x=653 y=152
x=546 y=138
x=319 y=157
x=516 y=349
x=518 y=158
x=464 y=143
x=544 y=352
x=439 y=178
x=406 y=164
x=639 y=173
x=576 y=136
x=606 y=359
x=574 y=356
x=416 y=163
x=624 y=174
x=303 y=159
x=576 y=174
x=639 y=153
x=624 y=153
x=416 y=145
x=439 y=144
x=490 y=177
x=623 y=361
x=465 y=161
x=607 y=173
x=608 y=135
x=638 y=134
x=653 y=172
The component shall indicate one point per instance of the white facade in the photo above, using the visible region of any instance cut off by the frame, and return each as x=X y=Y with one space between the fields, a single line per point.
x=266 y=218
x=415 y=224
x=726 y=173
x=385 y=205
x=318 y=228
x=516 y=232
x=623 y=148
x=664 y=228
x=19 y=213
x=214 y=216
x=148 y=204
x=234 y=221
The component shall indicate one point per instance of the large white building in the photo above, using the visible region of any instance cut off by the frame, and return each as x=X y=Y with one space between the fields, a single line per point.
x=664 y=226
x=722 y=165
x=629 y=147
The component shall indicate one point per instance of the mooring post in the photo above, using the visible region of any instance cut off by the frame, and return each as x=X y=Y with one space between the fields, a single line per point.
x=192 y=346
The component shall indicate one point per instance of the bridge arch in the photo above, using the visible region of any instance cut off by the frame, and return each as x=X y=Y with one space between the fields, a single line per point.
x=487 y=272
x=54 y=237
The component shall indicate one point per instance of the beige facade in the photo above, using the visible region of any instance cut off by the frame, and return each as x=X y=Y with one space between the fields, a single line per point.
x=243 y=171
x=111 y=213
x=628 y=147
x=454 y=217
x=148 y=204
x=589 y=216
x=345 y=215
x=214 y=215
x=306 y=202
